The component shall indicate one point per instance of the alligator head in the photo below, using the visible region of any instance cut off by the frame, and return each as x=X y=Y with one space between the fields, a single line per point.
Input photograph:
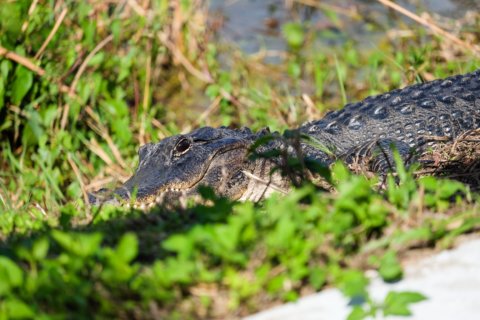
x=177 y=166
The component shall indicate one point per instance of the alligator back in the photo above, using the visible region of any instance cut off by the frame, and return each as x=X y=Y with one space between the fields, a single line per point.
x=445 y=108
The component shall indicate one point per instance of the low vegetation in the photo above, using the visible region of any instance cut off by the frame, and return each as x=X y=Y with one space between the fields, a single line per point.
x=84 y=84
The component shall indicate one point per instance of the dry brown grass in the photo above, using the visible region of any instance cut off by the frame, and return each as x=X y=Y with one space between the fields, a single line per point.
x=457 y=159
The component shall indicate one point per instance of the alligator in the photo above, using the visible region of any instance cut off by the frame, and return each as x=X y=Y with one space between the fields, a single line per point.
x=221 y=158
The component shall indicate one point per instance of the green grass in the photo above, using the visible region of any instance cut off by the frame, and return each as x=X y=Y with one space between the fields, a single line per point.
x=75 y=126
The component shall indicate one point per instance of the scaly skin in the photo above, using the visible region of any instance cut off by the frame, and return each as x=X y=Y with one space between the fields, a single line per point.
x=175 y=167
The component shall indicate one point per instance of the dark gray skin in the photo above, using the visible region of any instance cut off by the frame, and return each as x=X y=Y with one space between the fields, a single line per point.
x=446 y=107
x=404 y=118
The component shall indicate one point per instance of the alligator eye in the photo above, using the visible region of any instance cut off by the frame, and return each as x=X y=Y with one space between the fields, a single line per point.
x=182 y=146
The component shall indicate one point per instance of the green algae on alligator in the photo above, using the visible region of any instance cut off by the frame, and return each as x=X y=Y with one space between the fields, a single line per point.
x=404 y=119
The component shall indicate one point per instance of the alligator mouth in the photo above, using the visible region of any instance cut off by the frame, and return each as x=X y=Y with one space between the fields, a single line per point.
x=161 y=195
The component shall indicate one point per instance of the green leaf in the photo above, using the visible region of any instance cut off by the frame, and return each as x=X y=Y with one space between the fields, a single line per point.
x=34 y=131
x=212 y=91
x=282 y=235
x=96 y=59
x=317 y=277
x=10 y=275
x=17 y=309
x=21 y=84
x=357 y=313
x=294 y=34
x=180 y=270
x=428 y=182
x=82 y=245
x=182 y=245
x=294 y=69
x=390 y=268
x=40 y=248
x=276 y=283
x=11 y=22
x=118 y=126
x=340 y=172
x=290 y=296
x=449 y=188
x=127 y=248
x=397 y=303
x=353 y=284
x=5 y=67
